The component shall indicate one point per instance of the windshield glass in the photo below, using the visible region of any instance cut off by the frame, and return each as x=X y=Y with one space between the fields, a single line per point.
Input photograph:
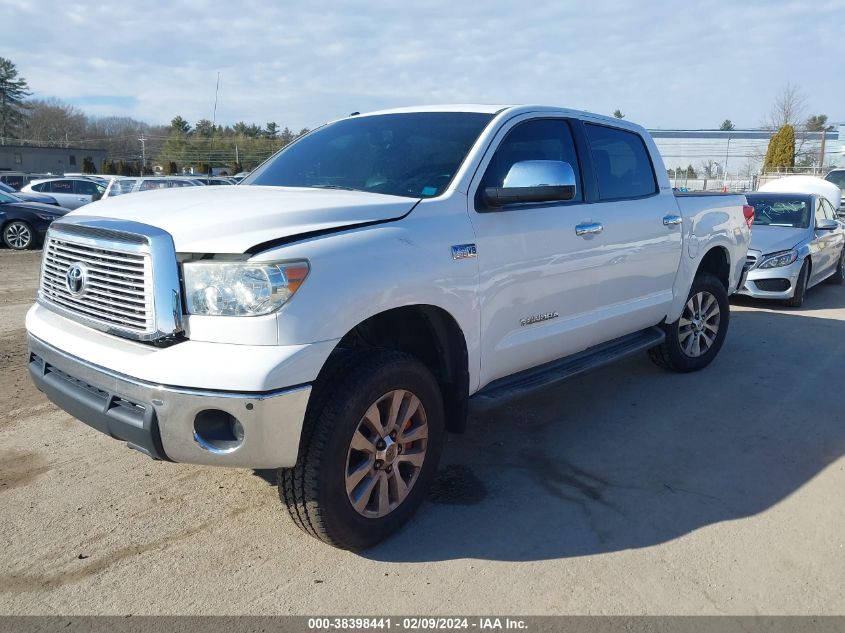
x=413 y=155
x=778 y=212
x=119 y=187
x=5 y=198
x=837 y=178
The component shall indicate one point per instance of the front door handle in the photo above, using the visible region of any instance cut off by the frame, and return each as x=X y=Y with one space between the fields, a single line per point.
x=672 y=220
x=591 y=228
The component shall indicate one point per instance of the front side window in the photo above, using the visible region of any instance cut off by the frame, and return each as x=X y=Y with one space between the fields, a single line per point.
x=119 y=187
x=837 y=178
x=621 y=162
x=410 y=154
x=540 y=139
x=86 y=188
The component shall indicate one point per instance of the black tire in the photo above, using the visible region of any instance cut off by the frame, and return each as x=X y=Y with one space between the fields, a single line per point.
x=18 y=235
x=797 y=299
x=315 y=489
x=839 y=276
x=671 y=353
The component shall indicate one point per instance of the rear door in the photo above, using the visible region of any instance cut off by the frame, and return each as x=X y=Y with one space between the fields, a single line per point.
x=62 y=191
x=640 y=241
x=830 y=242
x=538 y=279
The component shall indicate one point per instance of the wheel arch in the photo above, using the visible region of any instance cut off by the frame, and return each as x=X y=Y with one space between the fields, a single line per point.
x=717 y=262
x=434 y=337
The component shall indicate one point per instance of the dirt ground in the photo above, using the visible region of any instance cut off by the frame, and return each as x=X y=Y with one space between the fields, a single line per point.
x=627 y=491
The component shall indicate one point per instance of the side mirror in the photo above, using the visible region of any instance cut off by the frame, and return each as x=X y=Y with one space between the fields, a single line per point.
x=826 y=225
x=534 y=181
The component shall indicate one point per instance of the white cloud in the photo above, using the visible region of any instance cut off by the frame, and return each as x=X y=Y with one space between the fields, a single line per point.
x=663 y=64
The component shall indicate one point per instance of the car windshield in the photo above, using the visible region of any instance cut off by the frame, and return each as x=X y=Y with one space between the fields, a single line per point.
x=119 y=187
x=780 y=212
x=412 y=155
x=837 y=178
x=5 y=198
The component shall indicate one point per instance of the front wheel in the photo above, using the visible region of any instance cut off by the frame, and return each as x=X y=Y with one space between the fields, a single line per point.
x=838 y=277
x=18 y=235
x=797 y=299
x=694 y=340
x=369 y=450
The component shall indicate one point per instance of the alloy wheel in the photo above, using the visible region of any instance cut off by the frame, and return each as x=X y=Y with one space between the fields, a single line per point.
x=18 y=235
x=386 y=453
x=699 y=324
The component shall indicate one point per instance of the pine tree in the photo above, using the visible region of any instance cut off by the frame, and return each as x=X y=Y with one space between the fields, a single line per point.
x=13 y=90
x=781 y=152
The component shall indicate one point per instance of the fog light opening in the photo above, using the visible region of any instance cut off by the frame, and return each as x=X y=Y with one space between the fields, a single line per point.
x=218 y=431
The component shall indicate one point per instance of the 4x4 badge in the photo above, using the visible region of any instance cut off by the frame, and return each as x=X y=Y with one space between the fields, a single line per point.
x=463 y=251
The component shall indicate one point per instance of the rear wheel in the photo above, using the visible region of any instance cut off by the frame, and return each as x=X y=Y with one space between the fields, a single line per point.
x=694 y=340
x=797 y=299
x=18 y=235
x=370 y=447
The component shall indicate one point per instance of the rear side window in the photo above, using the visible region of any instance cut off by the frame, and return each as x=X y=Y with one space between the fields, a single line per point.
x=540 y=139
x=621 y=162
x=61 y=186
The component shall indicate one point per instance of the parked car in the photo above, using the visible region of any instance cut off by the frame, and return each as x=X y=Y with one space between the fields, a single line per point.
x=804 y=184
x=24 y=224
x=213 y=180
x=837 y=177
x=796 y=243
x=29 y=197
x=121 y=186
x=71 y=193
x=342 y=308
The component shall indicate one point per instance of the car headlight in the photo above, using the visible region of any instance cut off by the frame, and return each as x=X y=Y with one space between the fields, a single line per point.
x=222 y=288
x=781 y=258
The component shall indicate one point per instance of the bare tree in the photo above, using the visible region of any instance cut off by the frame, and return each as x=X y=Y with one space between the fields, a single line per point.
x=788 y=108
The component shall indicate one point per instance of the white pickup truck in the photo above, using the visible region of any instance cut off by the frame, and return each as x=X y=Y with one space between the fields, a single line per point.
x=345 y=306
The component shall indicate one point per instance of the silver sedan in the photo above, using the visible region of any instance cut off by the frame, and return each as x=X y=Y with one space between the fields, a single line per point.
x=796 y=243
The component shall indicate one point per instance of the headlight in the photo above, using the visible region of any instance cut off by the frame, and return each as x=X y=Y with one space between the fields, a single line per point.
x=240 y=288
x=776 y=260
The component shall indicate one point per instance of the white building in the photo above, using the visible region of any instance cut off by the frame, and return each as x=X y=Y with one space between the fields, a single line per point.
x=739 y=153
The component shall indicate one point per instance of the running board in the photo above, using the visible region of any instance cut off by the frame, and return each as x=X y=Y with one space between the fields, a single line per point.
x=537 y=378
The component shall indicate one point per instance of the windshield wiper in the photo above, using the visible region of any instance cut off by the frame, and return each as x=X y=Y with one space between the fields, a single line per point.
x=332 y=187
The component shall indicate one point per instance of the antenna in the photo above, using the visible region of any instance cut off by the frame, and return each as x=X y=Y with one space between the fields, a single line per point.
x=216 y=92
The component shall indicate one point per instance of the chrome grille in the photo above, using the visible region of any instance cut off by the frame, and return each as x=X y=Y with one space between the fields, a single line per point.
x=118 y=290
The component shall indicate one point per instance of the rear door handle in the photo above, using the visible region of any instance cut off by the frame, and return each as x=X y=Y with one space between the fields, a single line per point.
x=591 y=228
x=672 y=220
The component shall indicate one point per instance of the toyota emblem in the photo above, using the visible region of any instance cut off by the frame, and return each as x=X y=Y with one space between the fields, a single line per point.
x=75 y=279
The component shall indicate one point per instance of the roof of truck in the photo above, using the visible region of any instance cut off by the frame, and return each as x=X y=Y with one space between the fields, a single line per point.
x=486 y=108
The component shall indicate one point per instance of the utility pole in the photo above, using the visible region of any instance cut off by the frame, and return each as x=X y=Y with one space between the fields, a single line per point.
x=727 y=151
x=821 y=153
x=143 y=140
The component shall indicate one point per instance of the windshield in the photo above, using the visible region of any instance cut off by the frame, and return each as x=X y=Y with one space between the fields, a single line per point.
x=413 y=155
x=779 y=212
x=837 y=178
x=5 y=198
x=119 y=187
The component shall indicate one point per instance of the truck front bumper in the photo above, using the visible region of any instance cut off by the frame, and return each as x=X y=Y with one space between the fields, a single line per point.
x=218 y=428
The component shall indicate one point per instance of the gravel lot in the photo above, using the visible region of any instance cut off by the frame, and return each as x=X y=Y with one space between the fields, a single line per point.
x=627 y=491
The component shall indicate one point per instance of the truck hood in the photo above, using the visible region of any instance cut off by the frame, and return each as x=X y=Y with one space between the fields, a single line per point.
x=771 y=239
x=235 y=219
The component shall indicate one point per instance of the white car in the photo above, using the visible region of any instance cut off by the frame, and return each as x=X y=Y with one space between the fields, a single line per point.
x=796 y=244
x=70 y=193
x=340 y=310
x=124 y=185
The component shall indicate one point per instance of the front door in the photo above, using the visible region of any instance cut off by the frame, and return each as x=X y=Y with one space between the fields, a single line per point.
x=538 y=279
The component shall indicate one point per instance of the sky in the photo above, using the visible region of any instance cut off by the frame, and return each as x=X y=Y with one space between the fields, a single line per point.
x=664 y=64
